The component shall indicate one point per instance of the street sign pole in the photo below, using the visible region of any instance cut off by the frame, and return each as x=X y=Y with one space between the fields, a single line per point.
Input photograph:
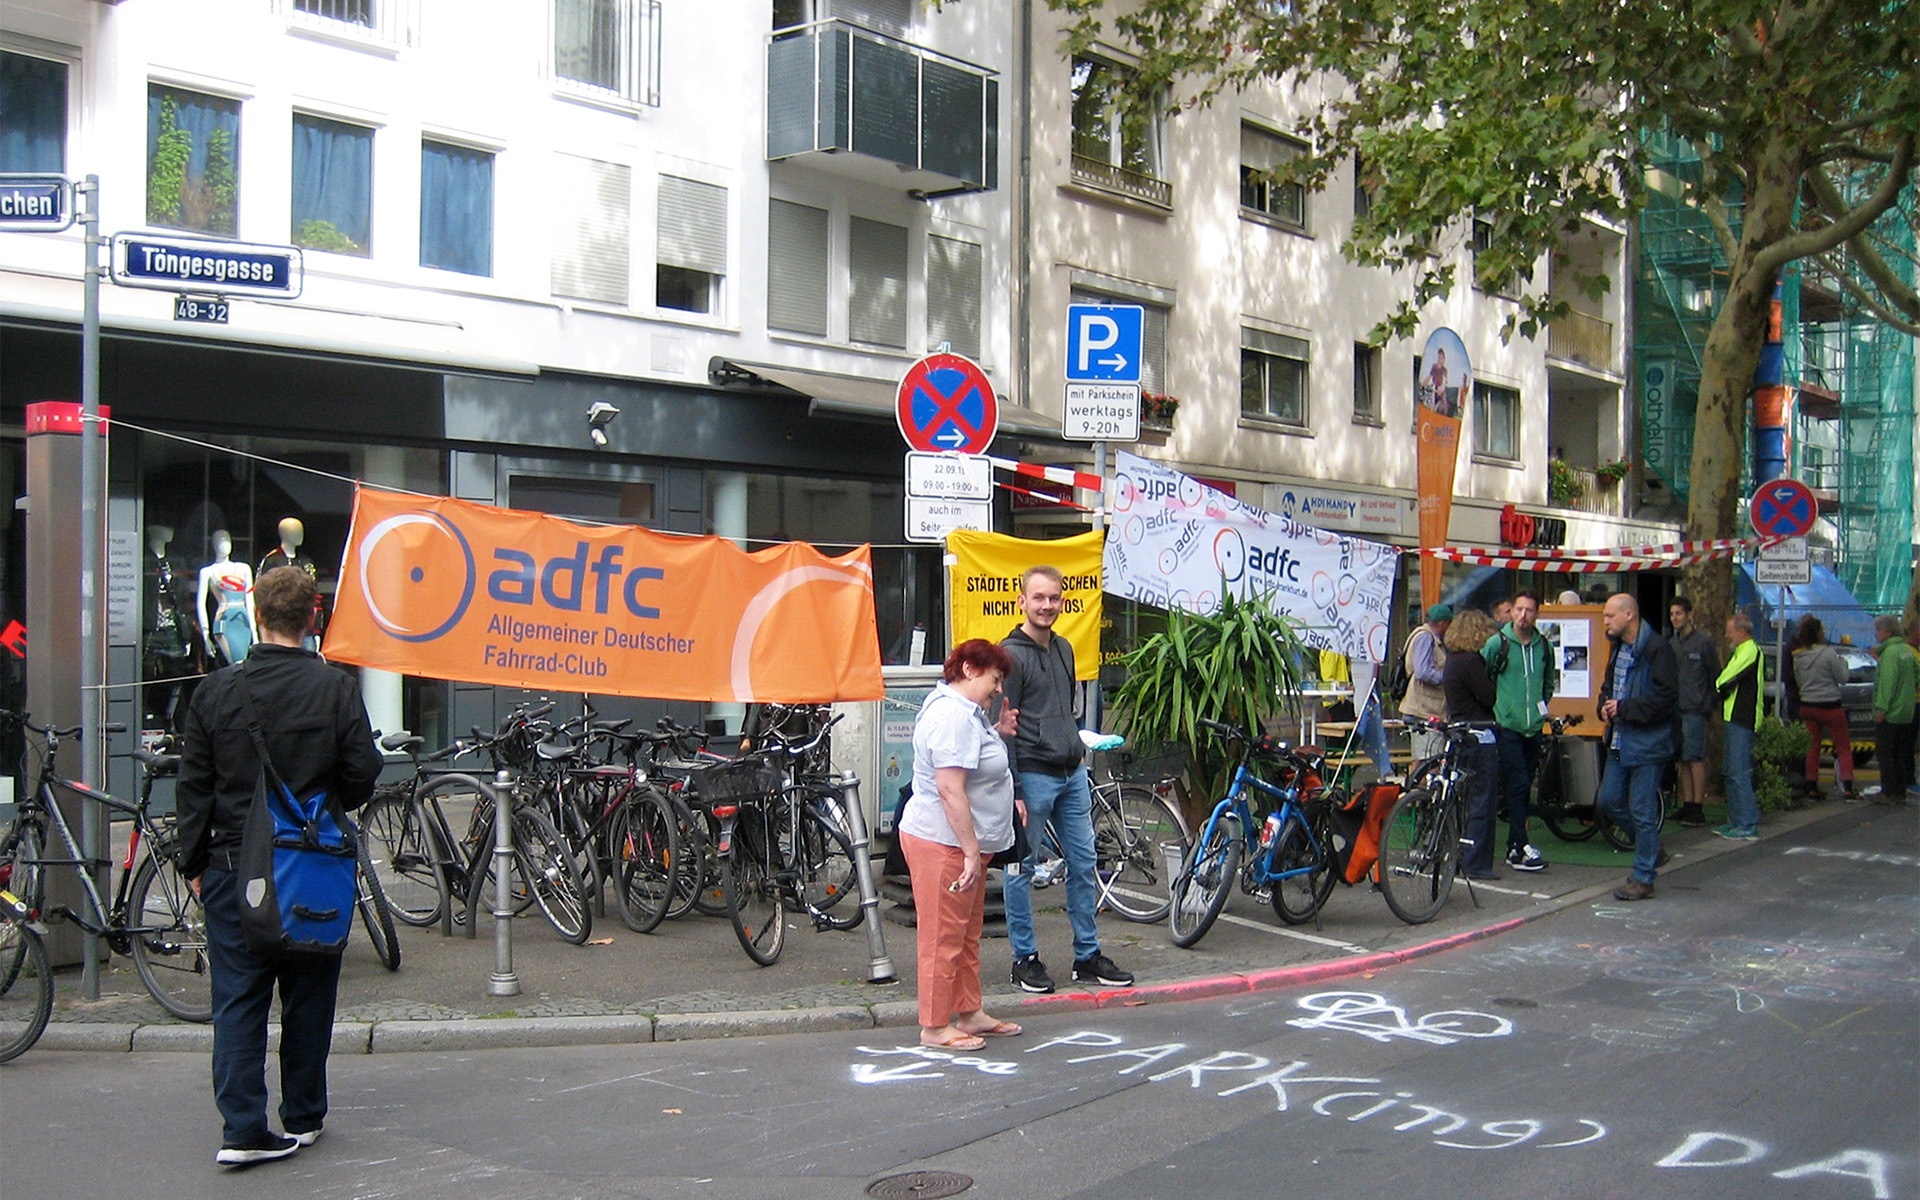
x=92 y=674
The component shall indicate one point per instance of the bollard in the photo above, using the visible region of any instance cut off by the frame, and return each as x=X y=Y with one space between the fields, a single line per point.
x=504 y=981
x=879 y=966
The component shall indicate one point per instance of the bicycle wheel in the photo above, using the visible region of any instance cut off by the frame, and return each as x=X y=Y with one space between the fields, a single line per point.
x=550 y=872
x=376 y=913
x=829 y=887
x=21 y=871
x=404 y=856
x=696 y=859
x=1132 y=829
x=170 y=952
x=756 y=904
x=1200 y=890
x=1301 y=847
x=1575 y=823
x=645 y=840
x=26 y=1002
x=1419 y=844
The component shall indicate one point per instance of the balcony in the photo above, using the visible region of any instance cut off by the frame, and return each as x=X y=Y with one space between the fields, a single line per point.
x=382 y=25
x=1157 y=192
x=1582 y=338
x=867 y=106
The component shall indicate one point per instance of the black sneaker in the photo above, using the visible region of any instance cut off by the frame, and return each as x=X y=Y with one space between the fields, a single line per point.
x=264 y=1148
x=1030 y=975
x=1526 y=858
x=1692 y=816
x=306 y=1137
x=1100 y=970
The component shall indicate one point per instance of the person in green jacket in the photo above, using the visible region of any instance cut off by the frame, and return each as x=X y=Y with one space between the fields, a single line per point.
x=1739 y=690
x=1893 y=709
x=1525 y=670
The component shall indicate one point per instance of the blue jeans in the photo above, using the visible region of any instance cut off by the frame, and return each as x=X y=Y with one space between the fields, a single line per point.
x=1068 y=802
x=1631 y=798
x=243 y=985
x=1743 y=810
x=1519 y=759
x=1483 y=803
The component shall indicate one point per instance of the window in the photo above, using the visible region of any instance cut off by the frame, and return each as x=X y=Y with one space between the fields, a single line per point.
x=193 y=161
x=1273 y=376
x=1364 y=182
x=332 y=185
x=692 y=249
x=953 y=295
x=877 y=285
x=609 y=46
x=33 y=115
x=592 y=252
x=1261 y=153
x=456 y=208
x=887 y=16
x=1366 y=383
x=1153 y=334
x=351 y=12
x=1116 y=143
x=797 y=268
x=1496 y=421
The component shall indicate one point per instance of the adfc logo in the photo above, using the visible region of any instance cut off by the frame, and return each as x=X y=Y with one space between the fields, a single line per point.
x=417 y=573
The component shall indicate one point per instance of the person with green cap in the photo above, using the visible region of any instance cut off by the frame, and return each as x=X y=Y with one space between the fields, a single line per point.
x=1424 y=654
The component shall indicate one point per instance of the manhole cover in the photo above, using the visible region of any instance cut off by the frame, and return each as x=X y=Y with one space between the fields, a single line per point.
x=920 y=1185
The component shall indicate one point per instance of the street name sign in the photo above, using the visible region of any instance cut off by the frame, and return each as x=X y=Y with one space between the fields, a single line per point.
x=173 y=264
x=946 y=403
x=949 y=476
x=35 y=203
x=1101 y=412
x=933 y=520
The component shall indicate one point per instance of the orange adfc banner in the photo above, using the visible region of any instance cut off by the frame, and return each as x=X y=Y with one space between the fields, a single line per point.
x=456 y=590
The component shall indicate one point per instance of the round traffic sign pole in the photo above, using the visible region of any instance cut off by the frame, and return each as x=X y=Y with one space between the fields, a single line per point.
x=946 y=403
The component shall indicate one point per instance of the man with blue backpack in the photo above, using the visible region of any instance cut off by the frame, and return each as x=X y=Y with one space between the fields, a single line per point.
x=312 y=723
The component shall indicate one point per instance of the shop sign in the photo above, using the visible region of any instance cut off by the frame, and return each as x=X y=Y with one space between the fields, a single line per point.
x=1526 y=531
x=1324 y=509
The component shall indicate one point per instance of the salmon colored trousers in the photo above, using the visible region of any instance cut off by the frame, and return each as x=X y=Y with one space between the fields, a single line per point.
x=946 y=929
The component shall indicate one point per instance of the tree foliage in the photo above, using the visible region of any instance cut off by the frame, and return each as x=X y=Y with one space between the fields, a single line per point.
x=1529 y=114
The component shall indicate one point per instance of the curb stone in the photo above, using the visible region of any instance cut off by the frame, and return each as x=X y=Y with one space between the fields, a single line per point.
x=675 y=1027
x=396 y=1037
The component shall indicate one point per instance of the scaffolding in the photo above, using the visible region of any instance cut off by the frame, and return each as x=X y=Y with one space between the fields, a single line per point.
x=1851 y=375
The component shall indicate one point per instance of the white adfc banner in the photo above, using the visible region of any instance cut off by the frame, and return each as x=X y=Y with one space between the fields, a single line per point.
x=1175 y=542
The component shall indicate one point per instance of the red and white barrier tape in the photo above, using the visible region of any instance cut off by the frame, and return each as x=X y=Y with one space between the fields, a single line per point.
x=1065 y=475
x=1716 y=547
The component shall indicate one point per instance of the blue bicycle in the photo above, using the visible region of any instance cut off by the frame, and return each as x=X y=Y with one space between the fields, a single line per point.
x=1286 y=854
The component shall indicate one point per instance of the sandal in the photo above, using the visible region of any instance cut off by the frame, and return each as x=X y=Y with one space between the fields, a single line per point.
x=965 y=1041
x=997 y=1029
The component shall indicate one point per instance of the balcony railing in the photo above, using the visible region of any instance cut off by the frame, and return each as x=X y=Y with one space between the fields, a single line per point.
x=1120 y=179
x=389 y=24
x=1582 y=338
x=847 y=99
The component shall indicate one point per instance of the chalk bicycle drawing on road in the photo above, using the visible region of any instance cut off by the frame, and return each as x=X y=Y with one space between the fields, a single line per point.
x=1369 y=1015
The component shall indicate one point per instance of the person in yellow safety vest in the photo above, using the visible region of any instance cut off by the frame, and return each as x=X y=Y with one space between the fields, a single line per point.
x=1738 y=687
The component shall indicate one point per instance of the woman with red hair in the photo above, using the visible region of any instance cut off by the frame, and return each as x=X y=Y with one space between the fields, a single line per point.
x=959 y=816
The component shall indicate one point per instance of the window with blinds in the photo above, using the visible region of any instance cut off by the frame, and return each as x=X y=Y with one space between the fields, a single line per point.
x=1153 y=335
x=1273 y=376
x=592 y=246
x=1496 y=421
x=691 y=251
x=953 y=295
x=877 y=283
x=1261 y=153
x=797 y=249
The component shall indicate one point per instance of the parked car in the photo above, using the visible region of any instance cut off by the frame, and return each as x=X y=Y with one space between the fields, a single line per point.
x=1856 y=697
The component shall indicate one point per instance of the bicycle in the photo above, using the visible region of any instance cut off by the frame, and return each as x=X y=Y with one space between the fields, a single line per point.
x=1136 y=822
x=1575 y=820
x=1422 y=837
x=1285 y=854
x=154 y=917
x=26 y=981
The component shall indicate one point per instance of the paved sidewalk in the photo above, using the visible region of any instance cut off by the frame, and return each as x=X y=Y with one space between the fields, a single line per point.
x=690 y=979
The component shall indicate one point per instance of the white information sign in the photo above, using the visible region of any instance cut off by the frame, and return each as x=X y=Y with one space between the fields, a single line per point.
x=1793 y=549
x=933 y=520
x=949 y=476
x=1783 y=572
x=123 y=586
x=1101 y=412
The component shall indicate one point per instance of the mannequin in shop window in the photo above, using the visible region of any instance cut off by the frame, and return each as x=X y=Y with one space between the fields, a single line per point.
x=287 y=554
x=171 y=641
x=229 y=585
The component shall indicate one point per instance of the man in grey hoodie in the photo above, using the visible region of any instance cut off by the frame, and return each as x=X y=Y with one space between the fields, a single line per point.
x=1050 y=780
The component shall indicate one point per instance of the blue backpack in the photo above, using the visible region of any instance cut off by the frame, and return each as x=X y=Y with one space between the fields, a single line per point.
x=298 y=863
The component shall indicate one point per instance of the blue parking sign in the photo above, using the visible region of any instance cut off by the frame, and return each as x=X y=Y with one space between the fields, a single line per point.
x=1103 y=342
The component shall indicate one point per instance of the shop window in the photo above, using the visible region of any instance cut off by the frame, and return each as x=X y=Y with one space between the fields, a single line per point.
x=456 y=208
x=591 y=246
x=1496 y=421
x=877 y=283
x=193 y=161
x=692 y=245
x=1261 y=154
x=797 y=249
x=33 y=115
x=332 y=185
x=953 y=295
x=1273 y=377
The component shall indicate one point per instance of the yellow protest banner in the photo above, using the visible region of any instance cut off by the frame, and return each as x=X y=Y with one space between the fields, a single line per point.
x=986 y=582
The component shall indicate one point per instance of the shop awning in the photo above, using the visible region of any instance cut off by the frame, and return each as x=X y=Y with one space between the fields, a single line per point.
x=861 y=396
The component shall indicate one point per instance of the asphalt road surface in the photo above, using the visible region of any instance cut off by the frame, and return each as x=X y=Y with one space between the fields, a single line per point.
x=1749 y=1033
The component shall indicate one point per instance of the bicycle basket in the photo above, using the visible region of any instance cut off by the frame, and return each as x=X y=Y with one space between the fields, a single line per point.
x=734 y=782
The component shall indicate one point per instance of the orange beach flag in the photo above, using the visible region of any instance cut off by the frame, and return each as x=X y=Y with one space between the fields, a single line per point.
x=455 y=590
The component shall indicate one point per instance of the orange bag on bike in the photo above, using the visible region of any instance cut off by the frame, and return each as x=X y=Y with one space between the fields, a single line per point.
x=1379 y=800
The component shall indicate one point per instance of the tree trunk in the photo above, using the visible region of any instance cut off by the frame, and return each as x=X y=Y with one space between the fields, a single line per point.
x=1728 y=362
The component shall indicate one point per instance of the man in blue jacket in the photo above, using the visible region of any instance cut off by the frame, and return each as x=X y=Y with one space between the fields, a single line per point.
x=1637 y=697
